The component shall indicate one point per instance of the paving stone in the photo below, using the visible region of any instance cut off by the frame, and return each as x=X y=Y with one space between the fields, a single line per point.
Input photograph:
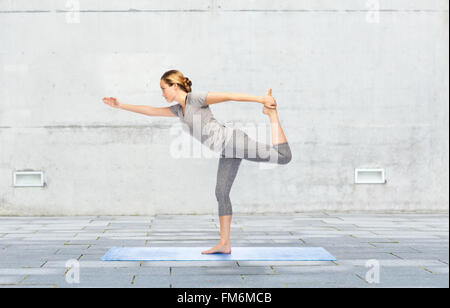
x=142 y=280
x=304 y=280
x=351 y=255
x=28 y=271
x=106 y=277
x=46 y=280
x=409 y=277
x=438 y=269
x=443 y=256
x=295 y=269
x=11 y=279
x=61 y=264
x=27 y=286
x=207 y=281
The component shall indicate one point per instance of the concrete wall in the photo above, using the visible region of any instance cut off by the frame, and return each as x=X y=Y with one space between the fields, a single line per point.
x=358 y=84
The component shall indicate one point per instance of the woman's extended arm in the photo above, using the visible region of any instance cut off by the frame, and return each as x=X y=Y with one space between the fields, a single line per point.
x=147 y=110
x=218 y=97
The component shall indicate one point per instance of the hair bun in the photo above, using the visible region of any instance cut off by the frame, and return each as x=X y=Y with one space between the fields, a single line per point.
x=187 y=81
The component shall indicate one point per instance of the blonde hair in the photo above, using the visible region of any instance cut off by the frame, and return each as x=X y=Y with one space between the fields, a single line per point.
x=176 y=77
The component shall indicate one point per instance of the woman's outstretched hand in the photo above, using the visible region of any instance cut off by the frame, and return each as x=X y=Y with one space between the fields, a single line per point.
x=111 y=101
x=269 y=101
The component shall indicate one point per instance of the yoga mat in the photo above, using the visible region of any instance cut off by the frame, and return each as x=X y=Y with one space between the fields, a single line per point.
x=237 y=254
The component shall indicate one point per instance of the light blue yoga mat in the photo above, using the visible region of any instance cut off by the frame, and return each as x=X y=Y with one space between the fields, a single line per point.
x=237 y=254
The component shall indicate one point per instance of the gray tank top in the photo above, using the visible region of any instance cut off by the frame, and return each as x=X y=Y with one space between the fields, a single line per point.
x=201 y=123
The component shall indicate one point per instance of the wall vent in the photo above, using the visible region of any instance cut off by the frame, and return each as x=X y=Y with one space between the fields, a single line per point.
x=28 y=178
x=370 y=176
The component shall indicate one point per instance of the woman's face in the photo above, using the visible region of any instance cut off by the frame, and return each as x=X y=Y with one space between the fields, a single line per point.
x=168 y=92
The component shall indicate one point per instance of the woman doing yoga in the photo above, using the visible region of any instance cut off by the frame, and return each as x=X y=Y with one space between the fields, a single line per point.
x=192 y=108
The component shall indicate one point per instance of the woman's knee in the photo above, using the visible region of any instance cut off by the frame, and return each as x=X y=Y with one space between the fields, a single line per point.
x=221 y=194
x=284 y=160
x=224 y=202
x=285 y=155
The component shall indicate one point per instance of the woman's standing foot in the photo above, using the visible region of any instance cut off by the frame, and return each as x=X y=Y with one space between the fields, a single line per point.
x=219 y=248
x=224 y=242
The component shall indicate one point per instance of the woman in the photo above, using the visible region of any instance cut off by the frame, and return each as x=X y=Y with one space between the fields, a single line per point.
x=233 y=144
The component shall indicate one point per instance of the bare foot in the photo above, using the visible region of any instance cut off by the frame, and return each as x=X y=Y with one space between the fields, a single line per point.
x=219 y=248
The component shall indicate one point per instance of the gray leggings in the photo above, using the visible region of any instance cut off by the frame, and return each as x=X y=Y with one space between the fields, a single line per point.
x=241 y=146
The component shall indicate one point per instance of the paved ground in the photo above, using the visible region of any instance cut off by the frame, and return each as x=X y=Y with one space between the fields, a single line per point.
x=409 y=250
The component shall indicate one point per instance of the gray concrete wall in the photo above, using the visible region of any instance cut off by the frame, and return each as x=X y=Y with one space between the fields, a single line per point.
x=358 y=84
